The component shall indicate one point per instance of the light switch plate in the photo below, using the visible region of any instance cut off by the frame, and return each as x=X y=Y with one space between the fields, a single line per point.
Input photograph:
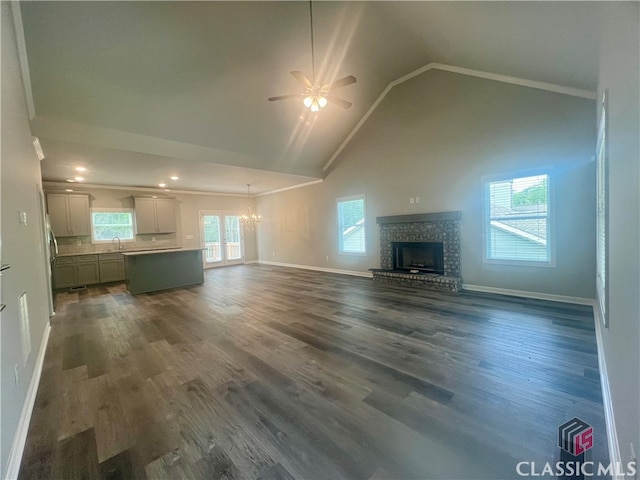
x=23 y=218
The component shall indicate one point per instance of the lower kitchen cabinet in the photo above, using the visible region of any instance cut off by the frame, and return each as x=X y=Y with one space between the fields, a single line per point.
x=87 y=268
x=82 y=270
x=76 y=271
x=111 y=267
x=64 y=272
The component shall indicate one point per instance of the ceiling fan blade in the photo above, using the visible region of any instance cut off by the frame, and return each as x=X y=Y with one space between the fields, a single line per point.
x=302 y=78
x=343 y=82
x=339 y=102
x=284 y=97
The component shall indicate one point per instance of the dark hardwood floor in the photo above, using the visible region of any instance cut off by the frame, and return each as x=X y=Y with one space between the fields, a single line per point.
x=277 y=373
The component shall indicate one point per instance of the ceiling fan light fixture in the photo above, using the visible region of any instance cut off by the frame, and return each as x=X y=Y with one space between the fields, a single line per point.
x=315 y=94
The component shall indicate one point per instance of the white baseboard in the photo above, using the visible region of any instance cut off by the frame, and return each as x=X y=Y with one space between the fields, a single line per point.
x=20 y=437
x=319 y=269
x=612 y=435
x=521 y=293
x=251 y=261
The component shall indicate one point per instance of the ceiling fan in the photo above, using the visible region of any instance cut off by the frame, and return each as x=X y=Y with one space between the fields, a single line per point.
x=316 y=96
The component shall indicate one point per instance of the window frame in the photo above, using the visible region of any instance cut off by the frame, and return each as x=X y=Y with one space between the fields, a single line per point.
x=486 y=217
x=130 y=211
x=350 y=198
x=602 y=214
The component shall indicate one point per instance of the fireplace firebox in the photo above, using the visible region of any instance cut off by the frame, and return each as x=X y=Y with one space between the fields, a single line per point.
x=427 y=257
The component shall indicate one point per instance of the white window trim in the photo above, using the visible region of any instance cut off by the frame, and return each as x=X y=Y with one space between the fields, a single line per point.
x=347 y=199
x=602 y=215
x=547 y=170
x=111 y=210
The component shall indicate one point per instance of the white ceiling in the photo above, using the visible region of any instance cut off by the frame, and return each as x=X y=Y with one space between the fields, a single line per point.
x=137 y=91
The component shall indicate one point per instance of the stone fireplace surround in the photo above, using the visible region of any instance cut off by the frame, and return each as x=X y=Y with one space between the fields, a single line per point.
x=425 y=227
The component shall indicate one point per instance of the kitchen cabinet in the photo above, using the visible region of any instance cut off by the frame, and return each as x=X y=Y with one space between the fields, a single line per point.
x=69 y=214
x=111 y=267
x=155 y=215
x=64 y=272
x=76 y=271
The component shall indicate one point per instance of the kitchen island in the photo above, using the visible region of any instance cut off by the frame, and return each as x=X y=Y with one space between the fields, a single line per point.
x=153 y=270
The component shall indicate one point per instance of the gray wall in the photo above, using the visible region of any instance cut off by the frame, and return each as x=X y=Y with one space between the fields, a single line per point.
x=21 y=246
x=434 y=137
x=619 y=67
x=187 y=215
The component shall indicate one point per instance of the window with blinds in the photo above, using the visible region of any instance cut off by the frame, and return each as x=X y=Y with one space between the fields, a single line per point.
x=351 y=228
x=601 y=218
x=517 y=227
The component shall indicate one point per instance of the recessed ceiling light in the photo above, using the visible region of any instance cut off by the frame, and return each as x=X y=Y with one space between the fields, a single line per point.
x=175 y=178
x=81 y=169
x=162 y=185
x=70 y=180
x=68 y=190
x=79 y=179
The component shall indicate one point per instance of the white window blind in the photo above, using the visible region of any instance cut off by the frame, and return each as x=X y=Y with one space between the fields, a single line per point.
x=517 y=222
x=601 y=218
x=106 y=224
x=351 y=225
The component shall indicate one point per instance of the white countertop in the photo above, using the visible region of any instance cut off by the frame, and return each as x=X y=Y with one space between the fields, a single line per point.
x=169 y=250
x=133 y=250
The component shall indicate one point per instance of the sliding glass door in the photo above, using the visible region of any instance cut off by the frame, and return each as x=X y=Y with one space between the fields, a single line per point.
x=221 y=238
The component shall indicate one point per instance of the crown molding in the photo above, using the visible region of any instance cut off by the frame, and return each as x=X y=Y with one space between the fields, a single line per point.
x=292 y=187
x=18 y=28
x=79 y=186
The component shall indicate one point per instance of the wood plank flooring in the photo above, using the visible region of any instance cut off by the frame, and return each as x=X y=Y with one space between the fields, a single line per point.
x=276 y=373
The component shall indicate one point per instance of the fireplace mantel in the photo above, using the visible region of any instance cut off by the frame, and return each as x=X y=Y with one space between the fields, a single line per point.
x=419 y=217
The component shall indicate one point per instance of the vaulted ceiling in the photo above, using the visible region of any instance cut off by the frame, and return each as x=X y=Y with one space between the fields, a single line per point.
x=139 y=91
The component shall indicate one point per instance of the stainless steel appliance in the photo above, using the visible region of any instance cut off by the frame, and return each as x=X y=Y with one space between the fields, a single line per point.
x=53 y=255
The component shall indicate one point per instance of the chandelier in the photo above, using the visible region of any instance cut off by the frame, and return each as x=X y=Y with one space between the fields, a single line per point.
x=249 y=219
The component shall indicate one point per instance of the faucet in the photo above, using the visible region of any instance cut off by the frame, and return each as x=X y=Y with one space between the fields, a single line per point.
x=119 y=244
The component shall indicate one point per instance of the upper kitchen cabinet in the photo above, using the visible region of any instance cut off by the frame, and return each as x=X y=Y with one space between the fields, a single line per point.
x=155 y=215
x=69 y=214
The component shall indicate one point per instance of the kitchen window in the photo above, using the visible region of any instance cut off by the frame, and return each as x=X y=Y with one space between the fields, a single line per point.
x=109 y=223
